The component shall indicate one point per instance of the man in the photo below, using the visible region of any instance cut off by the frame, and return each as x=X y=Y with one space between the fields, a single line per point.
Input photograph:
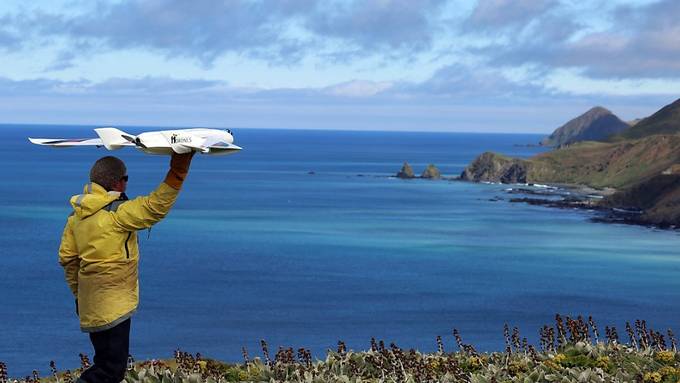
x=99 y=254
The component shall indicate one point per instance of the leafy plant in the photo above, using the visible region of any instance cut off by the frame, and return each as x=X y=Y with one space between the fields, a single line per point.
x=569 y=351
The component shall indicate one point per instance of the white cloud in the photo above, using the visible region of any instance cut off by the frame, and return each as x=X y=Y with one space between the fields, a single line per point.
x=357 y=88
x=641 y=42
x=499 y=14
x=376 y=57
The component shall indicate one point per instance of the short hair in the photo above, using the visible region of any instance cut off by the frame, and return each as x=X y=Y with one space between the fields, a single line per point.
x=107 y=171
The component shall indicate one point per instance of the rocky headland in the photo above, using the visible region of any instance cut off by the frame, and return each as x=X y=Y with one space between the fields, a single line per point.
x=641 y=164
x=493 y=167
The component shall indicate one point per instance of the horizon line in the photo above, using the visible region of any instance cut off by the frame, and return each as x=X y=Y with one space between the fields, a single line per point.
x=2 y=124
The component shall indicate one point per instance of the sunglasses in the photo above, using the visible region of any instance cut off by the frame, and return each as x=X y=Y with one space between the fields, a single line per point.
x=125 y=178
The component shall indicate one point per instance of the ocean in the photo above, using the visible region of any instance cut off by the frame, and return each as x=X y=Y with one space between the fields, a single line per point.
x=304 y=239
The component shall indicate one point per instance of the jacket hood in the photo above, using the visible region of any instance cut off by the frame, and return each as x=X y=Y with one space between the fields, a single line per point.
x=94 y=198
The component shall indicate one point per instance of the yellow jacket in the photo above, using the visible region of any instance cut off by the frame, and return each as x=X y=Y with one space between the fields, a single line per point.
x=100 y=255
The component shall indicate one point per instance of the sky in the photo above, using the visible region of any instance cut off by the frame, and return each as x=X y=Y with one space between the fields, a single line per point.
x=515 y=66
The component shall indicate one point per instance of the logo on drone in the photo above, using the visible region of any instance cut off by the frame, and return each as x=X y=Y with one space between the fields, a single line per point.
x=174 y=139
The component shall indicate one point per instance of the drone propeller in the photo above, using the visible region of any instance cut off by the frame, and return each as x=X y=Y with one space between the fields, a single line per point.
x=134 y=140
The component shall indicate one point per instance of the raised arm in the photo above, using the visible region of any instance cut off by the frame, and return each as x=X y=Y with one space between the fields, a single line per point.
x=143 y=212
x=69 y=258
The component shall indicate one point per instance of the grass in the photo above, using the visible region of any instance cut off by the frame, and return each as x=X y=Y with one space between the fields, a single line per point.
x=571 y=350
x=596 y=164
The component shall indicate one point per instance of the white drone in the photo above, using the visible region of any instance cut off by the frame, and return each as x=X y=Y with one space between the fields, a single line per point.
x=200 y=140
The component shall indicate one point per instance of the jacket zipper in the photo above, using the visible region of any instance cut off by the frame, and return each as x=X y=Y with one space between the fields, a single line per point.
x=127 y=251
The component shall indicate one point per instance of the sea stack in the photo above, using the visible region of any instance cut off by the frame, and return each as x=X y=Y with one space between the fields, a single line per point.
x=431 y=172
x=406 y=172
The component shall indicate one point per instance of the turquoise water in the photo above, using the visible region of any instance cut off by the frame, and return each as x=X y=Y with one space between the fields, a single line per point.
x=258 y=248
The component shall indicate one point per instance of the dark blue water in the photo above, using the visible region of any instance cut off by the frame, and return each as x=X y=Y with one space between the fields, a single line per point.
x=258 y=248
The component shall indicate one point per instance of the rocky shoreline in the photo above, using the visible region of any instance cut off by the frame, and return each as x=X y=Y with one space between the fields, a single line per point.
x=608 y=204
x=637 y=190
x=582 y=198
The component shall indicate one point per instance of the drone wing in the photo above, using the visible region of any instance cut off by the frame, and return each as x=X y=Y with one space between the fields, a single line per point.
x=110 y=138
x=217 y=145
x=67 y=142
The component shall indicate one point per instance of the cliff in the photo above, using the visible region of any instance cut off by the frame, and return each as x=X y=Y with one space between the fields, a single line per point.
x=492 y=167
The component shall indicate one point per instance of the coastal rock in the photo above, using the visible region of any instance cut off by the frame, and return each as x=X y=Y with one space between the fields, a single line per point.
x=673 y=169
x=539 y=192
x=564 y=203
x=658 y=200
x=492 y=167
x=654 y=202
x=406 y=172
x=597 y=124
x=431 y=172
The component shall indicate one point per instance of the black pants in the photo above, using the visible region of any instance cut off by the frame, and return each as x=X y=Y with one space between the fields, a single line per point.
x=111 y=349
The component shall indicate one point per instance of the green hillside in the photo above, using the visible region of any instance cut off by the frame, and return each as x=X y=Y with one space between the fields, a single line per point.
x=665 y=121
x=616 y=165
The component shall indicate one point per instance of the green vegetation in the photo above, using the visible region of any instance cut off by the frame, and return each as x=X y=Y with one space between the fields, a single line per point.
x=638 y=154
x=665 y=121
x=570 y=351
x=597 y=164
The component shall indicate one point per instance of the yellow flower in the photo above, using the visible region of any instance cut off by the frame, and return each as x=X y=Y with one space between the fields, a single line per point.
x=560 y=358
x=665 y=371
x=552 y=365
x=653 y=377
x=665 y=357
x=243 y=375
x=202 y=364
x=602 y=362
x=474 y=362
x=515 y=368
